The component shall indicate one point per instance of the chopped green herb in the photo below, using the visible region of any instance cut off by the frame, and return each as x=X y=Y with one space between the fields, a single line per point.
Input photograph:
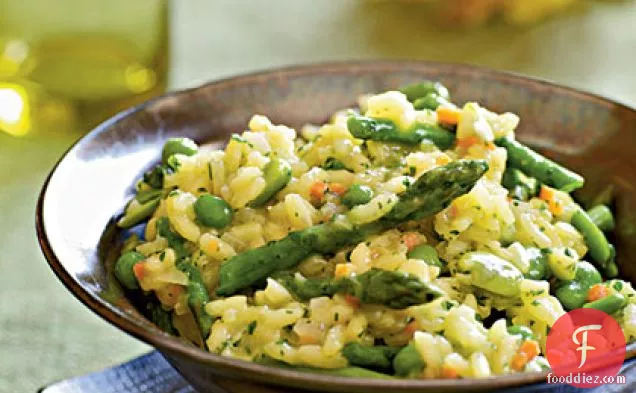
x=251 y=327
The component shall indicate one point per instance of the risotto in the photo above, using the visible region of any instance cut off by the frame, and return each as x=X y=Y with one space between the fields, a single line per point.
x=407 y=237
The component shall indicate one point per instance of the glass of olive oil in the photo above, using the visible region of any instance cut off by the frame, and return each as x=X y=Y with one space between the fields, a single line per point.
x=67 y=65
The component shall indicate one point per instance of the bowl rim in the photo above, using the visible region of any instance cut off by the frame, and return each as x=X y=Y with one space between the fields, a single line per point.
x=173 y=346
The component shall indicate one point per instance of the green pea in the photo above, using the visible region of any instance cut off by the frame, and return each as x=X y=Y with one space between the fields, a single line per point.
x=357 y=194
x=213 y=211
x=427 y=254
x=572 y=294
x=522 y=331
x=174 y=146
x=124 y=269
x=609 y=304
x=617 y=284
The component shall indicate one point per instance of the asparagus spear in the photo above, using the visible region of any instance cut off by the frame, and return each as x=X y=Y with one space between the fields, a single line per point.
x=393 y=289
x=378 y=357
x=420 y=90
x=174 y=146
x=385 y=130
x=175 y=241
x=197 y=291
x=408 y=361
x=197 y=296
x=609 y=304
x=376 y=286
x=137 y=211
x=602 y=216
x=520 y=186
x=141 y=207
x=160 y=317
x=305 y=289
x=611 y=268
x=597 y=244
x=541 y=168
x=354 y=372
x=431 y=193
x=436 y=189
x=431 y=101
x=154 y=177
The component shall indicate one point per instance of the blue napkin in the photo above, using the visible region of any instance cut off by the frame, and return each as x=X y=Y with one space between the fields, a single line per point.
x=151 y=373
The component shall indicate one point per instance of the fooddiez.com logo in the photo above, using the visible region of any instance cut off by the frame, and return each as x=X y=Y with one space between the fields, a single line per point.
x=585 y=348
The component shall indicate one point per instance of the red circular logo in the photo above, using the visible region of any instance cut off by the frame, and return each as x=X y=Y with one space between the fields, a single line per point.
x=585 y=348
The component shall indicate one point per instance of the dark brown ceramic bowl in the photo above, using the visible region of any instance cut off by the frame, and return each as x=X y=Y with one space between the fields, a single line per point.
x=93 y=181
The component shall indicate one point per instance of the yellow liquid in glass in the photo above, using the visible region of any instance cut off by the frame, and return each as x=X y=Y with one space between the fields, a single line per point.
x=70 y=81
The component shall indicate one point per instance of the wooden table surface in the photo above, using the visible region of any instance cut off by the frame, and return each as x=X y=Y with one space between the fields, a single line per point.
x=46 y=335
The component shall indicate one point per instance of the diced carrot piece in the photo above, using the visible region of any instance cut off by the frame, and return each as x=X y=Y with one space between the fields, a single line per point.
x=212 y=246
x=596 y=292
x=139 y=270
x=449 y=373
x=442 y=160
x=467 y=142
x=527 y=351
x=549 y=195
x=448 y=115
x=353 y=301
x=318 y=189
x=174 y=290
x=453 y=211
x=519 y=361
x=530 y=348
x=169 y=296
x=555 y=206
x=546 y=193
x=342 y=270
x=411 y=328
x=411 y=240
x=337 y=188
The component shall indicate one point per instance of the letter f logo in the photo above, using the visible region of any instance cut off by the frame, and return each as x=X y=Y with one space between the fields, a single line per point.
x=583 y=343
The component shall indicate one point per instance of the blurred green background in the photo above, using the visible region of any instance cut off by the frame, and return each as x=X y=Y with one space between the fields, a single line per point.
x=46 y=335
